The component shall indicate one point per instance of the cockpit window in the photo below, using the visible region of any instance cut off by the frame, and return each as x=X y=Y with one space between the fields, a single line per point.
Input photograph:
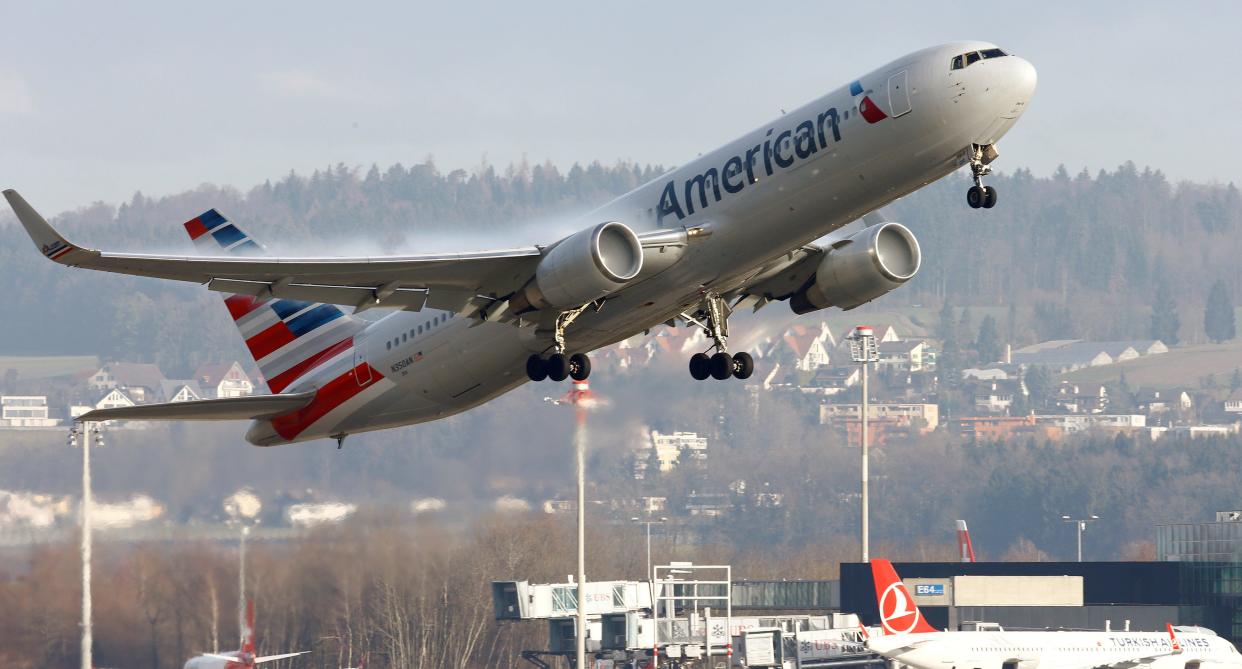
x=968 y=59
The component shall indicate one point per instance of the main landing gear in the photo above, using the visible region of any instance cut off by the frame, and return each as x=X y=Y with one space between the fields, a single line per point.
x=713 y=317
x=980 y=166
x=559 y=366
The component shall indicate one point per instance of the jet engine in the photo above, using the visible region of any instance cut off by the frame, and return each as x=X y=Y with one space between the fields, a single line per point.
x=583 y=267
x=860 y=268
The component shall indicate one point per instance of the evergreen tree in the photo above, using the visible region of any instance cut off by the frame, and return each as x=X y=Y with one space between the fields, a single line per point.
x=988 y=344
x=946 y=325
x=1039 y=385
x=1164 y=319
x=1218 y=321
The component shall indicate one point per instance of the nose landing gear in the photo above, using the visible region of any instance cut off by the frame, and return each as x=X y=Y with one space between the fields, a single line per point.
x=980 y=166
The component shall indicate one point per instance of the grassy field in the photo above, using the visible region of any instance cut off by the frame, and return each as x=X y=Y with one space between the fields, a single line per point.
x=46 y=367
x=1182 y=367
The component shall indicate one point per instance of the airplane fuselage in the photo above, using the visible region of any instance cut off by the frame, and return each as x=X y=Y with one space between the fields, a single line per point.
x=802 y=176
x=1029 y=650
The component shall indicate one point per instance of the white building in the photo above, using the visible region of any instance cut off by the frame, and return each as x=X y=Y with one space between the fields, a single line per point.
x=226 y=379
x=25 y=411
x=670 y=449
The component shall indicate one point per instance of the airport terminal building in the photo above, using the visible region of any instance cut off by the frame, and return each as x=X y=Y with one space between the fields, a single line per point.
x=1072 y=595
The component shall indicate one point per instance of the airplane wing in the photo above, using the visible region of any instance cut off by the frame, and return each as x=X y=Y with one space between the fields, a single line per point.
x=442 y=281
x=228 y=408
x=272 y=658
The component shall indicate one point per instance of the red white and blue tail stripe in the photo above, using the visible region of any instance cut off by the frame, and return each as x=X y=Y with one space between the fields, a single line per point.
x=287 y=338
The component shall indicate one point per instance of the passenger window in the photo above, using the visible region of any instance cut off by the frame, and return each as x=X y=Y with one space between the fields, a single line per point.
x=420 y=329
x=389 y=346
x=972 y=58
x=403 y=336
x=957 y=63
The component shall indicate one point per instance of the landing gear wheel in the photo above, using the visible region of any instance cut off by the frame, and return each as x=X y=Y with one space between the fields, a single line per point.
x=722 y=366
x=558 y=367
x=989 y=197
x=974 y=197
x=579 y=367
x=743 y=365
x=536 y=368
x=700 y=366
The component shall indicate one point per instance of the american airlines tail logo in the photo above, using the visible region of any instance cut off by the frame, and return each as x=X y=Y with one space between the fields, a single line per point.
x=897 y=613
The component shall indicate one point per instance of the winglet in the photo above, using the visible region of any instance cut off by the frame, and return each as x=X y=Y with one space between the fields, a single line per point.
x=1177 y=645
x=49 y=242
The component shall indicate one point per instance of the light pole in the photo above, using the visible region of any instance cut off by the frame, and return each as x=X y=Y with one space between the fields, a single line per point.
x=1081 y=523
x=649 y=522
x=863 y=351
x=85 y=430
x=582 y=399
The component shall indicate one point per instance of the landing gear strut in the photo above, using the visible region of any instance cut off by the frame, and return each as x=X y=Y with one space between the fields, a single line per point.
x=980 y=166
x=713 y=317
x=559 y=366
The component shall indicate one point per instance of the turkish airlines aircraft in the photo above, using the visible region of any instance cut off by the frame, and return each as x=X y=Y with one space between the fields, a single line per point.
x=239 y=659
x=911 y=641
x=730 y=229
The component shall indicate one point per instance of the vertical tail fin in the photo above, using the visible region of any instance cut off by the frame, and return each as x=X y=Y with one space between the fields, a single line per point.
x=248 y=644
x=965 y=550
x=286 y=338
x=898 y=612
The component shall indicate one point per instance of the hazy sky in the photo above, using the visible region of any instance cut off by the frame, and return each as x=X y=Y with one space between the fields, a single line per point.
x=98 y=100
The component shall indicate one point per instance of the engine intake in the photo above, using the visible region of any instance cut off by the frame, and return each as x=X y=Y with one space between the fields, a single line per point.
x=872 y=262
x=583 y=267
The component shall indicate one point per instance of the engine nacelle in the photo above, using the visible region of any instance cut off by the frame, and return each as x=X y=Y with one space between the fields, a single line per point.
x=583 y=267
x=872 y=262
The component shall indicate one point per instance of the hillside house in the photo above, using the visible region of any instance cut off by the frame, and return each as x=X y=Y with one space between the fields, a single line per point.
x=141 y=382
x=223 y=379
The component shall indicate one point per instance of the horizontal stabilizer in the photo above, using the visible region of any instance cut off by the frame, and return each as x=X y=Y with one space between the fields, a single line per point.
x=228 y=408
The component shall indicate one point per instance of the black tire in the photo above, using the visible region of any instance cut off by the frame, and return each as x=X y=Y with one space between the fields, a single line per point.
x=558 y=367
x=722 y=366
x=974 y=197
x=743 y=365
x=579 y=367
x=536 y=368
x=989 y=197
x=700 y=366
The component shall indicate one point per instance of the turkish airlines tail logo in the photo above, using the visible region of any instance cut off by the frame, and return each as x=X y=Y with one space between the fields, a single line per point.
x=898 y=613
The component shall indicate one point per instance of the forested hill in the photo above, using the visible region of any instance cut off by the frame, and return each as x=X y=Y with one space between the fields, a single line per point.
x=1087 y=250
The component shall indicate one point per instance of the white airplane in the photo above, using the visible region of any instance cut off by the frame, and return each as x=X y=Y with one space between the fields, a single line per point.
x=911 y=641
x=730 y=229
x=238 y=659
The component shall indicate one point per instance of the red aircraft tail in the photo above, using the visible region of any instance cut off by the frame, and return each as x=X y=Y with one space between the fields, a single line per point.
x=898 y=612
x=965 y=550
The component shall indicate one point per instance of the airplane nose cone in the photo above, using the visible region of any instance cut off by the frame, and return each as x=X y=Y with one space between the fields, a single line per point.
x=1024 y=78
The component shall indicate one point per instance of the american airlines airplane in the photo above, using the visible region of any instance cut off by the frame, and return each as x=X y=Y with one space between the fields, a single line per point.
x=732 y=229
x=909 y=640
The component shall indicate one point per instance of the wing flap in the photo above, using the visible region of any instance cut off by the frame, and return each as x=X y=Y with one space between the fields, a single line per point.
x=410 y=299
x=228 y=408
